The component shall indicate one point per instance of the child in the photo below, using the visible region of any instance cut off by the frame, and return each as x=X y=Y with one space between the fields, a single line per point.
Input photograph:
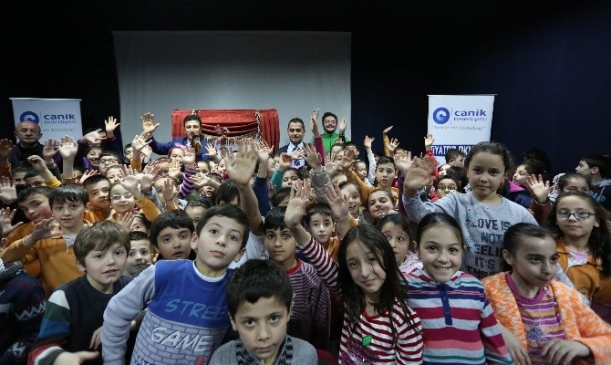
x=379 y=327
x=321 y=224
x=457 y=321
x=195 y=209
x=446 y=185
x=311 y=312
x=172 y=234
x=380 y=203
x=68 y=203
x=73 y=316
x=22 y=305
x=140 y=224
x=187 y=316
x=114 y=173
x=385 y=174
x=454 y=156
x=483 y=214
x=125 y=196
x=543 y=196
x=397 y=230
x=598 y=168
x=547 y=321
x=259 y=297
x=140 y=254
x=98 y=188
x=584 y=246
x=351 y=193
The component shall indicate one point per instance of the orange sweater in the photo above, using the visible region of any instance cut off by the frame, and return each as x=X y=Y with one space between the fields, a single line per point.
x=579 y=321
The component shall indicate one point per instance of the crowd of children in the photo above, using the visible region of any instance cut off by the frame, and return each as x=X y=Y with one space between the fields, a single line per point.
x=230 y=254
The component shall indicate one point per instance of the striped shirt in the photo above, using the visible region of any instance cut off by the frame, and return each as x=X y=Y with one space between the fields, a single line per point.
x=541 y=320
x=458 y=324
x=370 y=340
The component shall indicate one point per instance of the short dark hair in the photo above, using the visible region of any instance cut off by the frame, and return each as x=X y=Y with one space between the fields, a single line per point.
x=452 y=154
x=31 y=173
x=258 y=279
x=226 y=210
x=138 y=236
x=296 y=120
x=191 y=117
x=194 y=203
x=386 y=160
x=319 y=208
x=274 y=219
x=329 y=114
x=279 y=196
x=516 y=234
x=107 y=153
x=94 y=179
x=68 y=192
x=176 y=219
x=600 y=161
x=99 y=236
x=225 y=193
x=33 y=190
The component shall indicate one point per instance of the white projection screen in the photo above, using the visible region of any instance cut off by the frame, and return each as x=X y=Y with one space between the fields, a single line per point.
x=292 y=72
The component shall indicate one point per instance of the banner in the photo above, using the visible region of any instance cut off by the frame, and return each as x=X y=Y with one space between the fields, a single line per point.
x=56 y=117
x=459 y=121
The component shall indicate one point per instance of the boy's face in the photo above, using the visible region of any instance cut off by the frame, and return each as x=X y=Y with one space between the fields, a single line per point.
x=19 y=179
x=139 y=257
x=361 y=170
x=584 y=169
x=385 y=174
x=195 y=213
x=35 y=181
x=105 y=267
x=207 y=190
x=99 y=194
x=69 y=214
x=458 y=161
x=281 y=247
x=262 y=327
x=352 y=195
x=219 y=243
x=121 y=200
x=36 y=207
x=159 y=184
x=128 y=152
x=106 y=162
x=321 y=227
x=175 y=243
x=114 y=174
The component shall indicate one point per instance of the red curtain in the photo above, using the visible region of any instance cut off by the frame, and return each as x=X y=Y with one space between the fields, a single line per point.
x=239 y=122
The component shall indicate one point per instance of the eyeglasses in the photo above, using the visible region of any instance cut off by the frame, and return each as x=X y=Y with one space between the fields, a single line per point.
x=579 y=215
x=118 y=197
x=108 y=161
x=446 y=188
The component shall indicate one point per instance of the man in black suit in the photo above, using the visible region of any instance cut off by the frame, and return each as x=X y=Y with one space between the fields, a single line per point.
x=296 y=132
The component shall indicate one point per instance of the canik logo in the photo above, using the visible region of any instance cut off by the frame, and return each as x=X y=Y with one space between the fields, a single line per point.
x=29 y=116
x=441 y=115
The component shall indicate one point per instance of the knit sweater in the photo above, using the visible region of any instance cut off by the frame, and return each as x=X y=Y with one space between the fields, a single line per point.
x=393 y=337
x=457 y=320
x=22 y=305
x=579 y=322
x=74 y=311
x=482 y=225
x=186 y=320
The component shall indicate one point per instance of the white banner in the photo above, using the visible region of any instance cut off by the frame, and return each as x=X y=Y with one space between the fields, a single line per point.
x=56 y=117
x=459 y=121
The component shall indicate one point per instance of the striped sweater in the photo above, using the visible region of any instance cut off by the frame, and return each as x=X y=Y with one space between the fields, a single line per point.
x=370 y=340
x=457 y=320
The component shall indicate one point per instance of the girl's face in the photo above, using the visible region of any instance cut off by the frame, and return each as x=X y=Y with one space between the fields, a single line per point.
x=222 y=167
x=121 y=200
x=521 y=175
x=443 y=169
x=361 y=170
x=445 y=187
x=202 y=167
x=353 y=197
x=574 y=227
x=380 y=204
x=399 y=240
x=177 y=155
x=533 y=264
x=290 y=176
x=486 y=173
x=365 y=269
x=441 y=251
x=213 y=166
x=114 y=174
x=577 y=184
x=385 y=174
x=93 y=156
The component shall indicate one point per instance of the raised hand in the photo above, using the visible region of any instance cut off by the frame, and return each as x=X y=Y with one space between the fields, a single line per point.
x=403 y=161
x=312 y=157
x=263 y=152
x=367 y=142
x=168 y=194
x=348 y=159
x=298 y=202
x=342 y=126
x=95 y=137
x=6 y=146
x=314 y=123
x=130 y=183
x=6 y=219
x=140 y=140
x=393 y=144
x=241 y=168
x=50 y=149
x=110 y=125
x=428 y=141
x=87 y=174
x=210 y=149
x=8 y=193
x=174 y=169
x=149 y=175
x=337 y=203
x=538 y=187
x=189 y=158
x=68 y=148
x=148 y=123
x=386 y=130
x=37 y=163
x=419 y=174
x=125 y=220
x=43 y=229
x=284 y=162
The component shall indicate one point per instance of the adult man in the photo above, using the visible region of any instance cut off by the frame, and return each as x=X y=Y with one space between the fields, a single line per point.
x=28 y=135
x=296 y=132
x=193 y=128
x=329 y=122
